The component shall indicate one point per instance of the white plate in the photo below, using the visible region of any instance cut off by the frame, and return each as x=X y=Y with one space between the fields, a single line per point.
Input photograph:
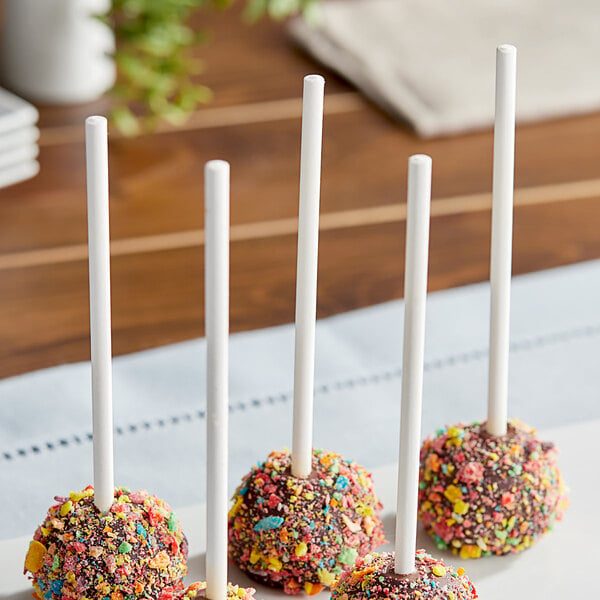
x=561 y=565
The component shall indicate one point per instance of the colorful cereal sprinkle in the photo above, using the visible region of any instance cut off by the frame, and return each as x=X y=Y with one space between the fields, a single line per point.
x=481 y=495
x=234 y=592
x=373 y=577
x=134 y=550
x=301 y=534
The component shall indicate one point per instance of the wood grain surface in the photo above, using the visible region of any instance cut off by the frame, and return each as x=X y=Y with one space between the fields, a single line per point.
x=254 y=122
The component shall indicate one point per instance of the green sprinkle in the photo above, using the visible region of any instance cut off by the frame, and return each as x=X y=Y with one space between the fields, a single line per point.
x=172 y=523
x=125 y=548
x=347 y=556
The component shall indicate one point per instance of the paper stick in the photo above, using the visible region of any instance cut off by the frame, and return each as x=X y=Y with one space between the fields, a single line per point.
x=96 y=146
x=415 y=295
x=216 y=181
x=306 y=277
x=501 y=251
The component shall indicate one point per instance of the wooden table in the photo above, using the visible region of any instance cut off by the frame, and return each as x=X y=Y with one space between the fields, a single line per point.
x=254 y=122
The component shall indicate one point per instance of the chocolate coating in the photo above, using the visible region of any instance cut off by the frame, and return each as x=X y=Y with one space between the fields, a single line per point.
x=373 y=578
x=481 y=495
x=136 y=549
x=301 y=534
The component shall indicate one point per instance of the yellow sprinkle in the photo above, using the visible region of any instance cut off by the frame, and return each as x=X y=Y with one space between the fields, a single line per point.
x=493 y=456
x=461 y=507
x=325 y=577
x=453 y=493
x=439 y=570
x=35 y=556
x=236 y=507
x=254 y=556
x=470 y=552
x=364 y=511
x=301 y=549
x=451 y=595
x=76 y=496
x=454 y=432
x=70 y=577
x=66 y=508
x=460 y=571
x=309 y=495
x=275 y=564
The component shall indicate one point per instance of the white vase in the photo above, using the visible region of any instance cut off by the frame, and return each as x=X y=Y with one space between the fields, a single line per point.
x=55 y=51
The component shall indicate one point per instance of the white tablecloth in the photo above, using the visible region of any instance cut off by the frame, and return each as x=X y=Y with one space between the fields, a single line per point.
x=45 y=417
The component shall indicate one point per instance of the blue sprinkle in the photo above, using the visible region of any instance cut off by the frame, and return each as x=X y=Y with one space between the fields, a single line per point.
x=312 y=525
x=268 y=523
x=326 y=510
x=341 y=483
x=141 y=531
x=243 y=491
x=56 y=587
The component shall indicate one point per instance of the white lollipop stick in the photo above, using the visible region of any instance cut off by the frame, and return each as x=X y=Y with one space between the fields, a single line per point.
x=306 y=278
x=415 y=295
x=96 y=146
x=216 y=174
x=501 y=252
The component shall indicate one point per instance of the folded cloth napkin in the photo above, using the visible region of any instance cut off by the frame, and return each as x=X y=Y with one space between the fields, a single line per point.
x=432 y=63
x=18 y=139
x=159 y=395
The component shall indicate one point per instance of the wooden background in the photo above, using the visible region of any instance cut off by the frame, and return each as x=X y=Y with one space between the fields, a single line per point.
x=157 y=208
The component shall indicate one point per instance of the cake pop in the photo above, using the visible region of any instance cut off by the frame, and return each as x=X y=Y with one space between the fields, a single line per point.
x=302 y=533
x=104 y=542
x=373 y=577
x=409 y=574
x=135 y=549
x=493 y=487
x=482 y=494
x=299 y=519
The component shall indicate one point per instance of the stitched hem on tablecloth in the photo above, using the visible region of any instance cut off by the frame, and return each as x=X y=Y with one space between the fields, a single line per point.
x=461 y=358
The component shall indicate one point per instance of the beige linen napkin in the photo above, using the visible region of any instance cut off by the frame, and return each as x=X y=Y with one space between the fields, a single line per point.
x=432 y=62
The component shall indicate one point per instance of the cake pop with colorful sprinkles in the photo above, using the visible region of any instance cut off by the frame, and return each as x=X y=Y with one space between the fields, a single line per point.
x=234 y=592
x=136 y=549
x=481 y=494
x=373 y=578
x=302 y=533
x=494 y=487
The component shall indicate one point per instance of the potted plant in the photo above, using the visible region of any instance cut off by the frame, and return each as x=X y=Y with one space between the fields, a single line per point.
x=71 y=51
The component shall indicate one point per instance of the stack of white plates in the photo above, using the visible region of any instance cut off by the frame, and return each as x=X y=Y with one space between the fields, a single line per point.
x=18 y=139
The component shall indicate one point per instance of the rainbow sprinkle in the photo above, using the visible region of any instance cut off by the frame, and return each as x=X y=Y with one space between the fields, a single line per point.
x=481 y=495
x=134 y=550
x=301 y=534
x=373 y=578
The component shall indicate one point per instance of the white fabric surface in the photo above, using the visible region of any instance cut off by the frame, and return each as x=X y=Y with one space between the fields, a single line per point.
x=45 y=417
x=432 y=63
